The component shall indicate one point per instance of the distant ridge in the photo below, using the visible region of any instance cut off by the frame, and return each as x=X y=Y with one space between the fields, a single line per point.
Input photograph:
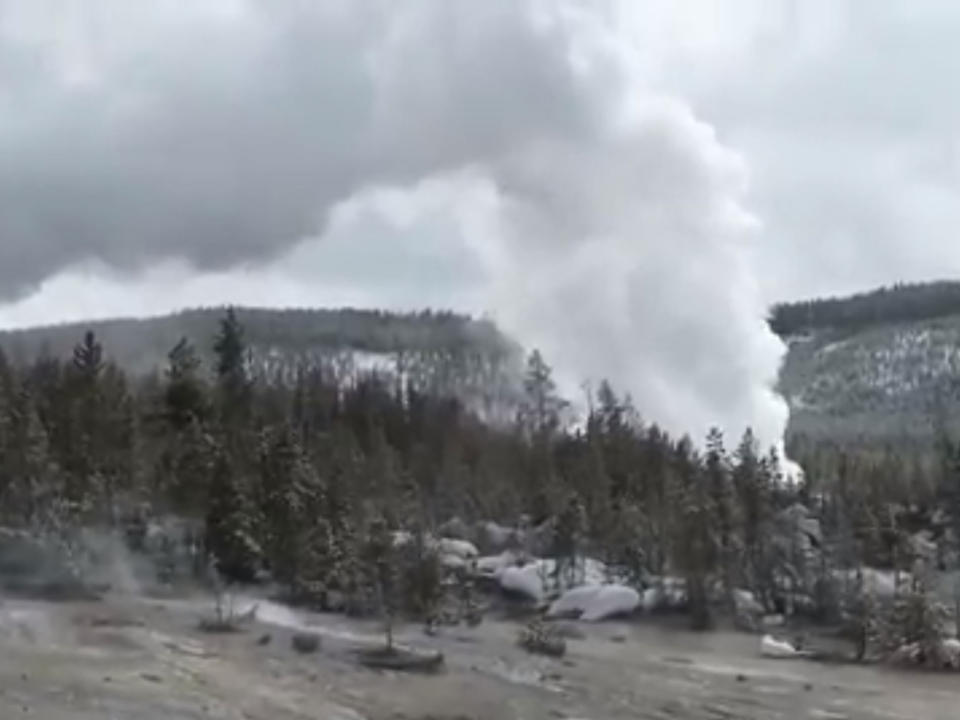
x=141 y=345
x=898 y=303
x=878 y=369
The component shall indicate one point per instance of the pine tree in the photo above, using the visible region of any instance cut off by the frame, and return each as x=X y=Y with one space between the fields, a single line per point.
x=231 y=524
x=378 y=555
x=231 y=354
x=569 y=533
x=718 y=477
x=695 y=544
x=540 y=418
x=290 y=499
x=185 y=395
x=753 y=491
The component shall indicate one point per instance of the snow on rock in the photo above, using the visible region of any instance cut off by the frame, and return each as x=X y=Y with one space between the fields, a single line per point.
x=492 y=566
x=596 y=602
x=454 y=528
x=650 y=599
x=746 y=602
x=402 y=538
x=950 y=652
x=882 y=584
x=453 y=562
x=611 y=601
x=594 y=572
x=459 y=548
x=778 y=649
x=495 y=537
x=573 y=602
x=527 y=581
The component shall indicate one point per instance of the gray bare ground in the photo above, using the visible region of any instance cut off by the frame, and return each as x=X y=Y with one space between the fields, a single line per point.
x=128 y=658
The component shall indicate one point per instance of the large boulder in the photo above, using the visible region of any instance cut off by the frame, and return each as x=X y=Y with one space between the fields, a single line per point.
x=528 y=582
x=456 y=529
x=459 y=548
x=593 y=603
x=494 y=538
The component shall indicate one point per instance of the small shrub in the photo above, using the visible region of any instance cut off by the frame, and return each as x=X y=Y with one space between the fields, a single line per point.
x=542 y=639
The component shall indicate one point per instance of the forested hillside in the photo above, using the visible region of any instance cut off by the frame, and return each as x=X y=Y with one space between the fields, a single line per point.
x=879 y=368
x=141 y=345
x=335 y=485
x=441 y=353
x=873 y=382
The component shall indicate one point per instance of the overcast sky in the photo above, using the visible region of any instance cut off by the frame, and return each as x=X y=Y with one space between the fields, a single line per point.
x=626 y=184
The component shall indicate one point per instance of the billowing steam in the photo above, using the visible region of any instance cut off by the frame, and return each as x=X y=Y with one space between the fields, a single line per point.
x=508 y=152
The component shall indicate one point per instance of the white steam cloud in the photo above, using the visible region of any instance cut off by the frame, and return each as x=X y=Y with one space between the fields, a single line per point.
x=506 y=156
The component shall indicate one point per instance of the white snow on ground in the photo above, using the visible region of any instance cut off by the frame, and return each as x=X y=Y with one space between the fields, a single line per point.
x=778 y=649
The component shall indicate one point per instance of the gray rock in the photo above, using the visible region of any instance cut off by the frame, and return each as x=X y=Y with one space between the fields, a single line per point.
x=305 y=643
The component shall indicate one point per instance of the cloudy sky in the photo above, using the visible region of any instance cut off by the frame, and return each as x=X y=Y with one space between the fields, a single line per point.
x=624 y=183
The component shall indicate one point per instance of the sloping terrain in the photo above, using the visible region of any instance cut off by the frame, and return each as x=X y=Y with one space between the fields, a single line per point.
x=880 y=367
x=885 y=382
x=141 y=345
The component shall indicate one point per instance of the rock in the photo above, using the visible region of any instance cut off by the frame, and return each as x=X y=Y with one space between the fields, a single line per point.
x=264 y=640
x=400 y=659
x=526 y=581
x=950 y=653
x=456 y=529
x=746 y=602
x=542 y=639
x=770 y=647
x=493 y=566
x=305 y=643
x=150 y=677
x=573 y=602
x=774 y=621
x=458 y=548
x=495 y=538
x=568 y=631
x=453 y=562
x=611 y=601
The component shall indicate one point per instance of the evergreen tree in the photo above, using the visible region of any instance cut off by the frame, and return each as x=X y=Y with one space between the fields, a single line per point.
x=231 y=354
x=695 y=545
x=185 y=395
x=720 y=483
x=231 y=524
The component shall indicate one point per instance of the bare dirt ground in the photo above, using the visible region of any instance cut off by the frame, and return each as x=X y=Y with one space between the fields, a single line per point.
x=128 y=658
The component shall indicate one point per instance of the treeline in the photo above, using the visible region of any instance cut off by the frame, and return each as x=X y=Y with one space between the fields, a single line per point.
x=139 y=346
x=899 y=303
x=306 y=478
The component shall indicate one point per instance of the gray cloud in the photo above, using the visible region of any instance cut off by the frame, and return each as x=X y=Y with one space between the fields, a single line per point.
x=224 y=138
x=846 y=116
x=523 y=154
